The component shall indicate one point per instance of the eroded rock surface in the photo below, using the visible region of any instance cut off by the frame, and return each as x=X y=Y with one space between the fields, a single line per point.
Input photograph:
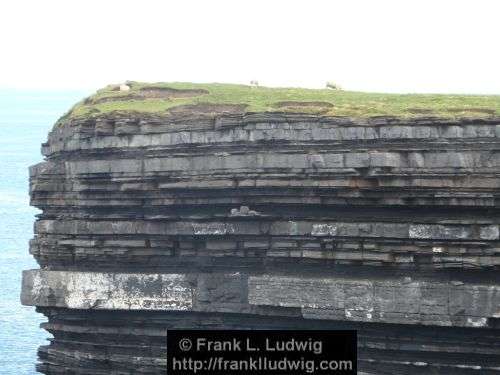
x=232 y=220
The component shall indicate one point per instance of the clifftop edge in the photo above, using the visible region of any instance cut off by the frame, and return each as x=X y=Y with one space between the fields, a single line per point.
x=179 y=99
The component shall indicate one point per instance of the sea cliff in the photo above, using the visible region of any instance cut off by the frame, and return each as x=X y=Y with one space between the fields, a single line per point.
x=191 y=209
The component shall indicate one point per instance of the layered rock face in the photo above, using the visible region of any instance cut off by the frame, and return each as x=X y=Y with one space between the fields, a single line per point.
x=386 y=226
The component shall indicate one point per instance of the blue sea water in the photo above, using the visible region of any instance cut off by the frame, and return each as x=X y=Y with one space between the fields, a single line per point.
x=25 y=119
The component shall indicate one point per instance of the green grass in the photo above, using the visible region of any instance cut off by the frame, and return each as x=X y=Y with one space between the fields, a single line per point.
x=265 y=99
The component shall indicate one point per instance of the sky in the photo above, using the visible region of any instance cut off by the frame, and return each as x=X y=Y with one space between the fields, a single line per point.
x=435 y=46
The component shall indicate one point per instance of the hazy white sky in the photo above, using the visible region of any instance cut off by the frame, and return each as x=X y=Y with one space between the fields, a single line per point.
x=393 y=46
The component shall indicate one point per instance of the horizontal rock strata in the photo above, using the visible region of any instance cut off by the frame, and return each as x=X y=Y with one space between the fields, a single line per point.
x=384 y=225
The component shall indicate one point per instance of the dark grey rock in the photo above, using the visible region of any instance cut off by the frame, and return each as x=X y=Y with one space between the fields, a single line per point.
x=268 y=220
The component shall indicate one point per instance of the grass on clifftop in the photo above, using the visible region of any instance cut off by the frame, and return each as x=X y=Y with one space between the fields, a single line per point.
x=162 y=98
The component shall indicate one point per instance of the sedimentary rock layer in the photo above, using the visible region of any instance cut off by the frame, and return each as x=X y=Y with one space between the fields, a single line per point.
x=387 y=226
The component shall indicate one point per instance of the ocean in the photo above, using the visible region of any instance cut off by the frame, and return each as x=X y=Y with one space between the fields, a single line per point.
x=25 y=119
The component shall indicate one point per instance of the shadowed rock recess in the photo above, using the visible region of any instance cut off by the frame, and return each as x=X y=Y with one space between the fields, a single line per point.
x=268 y=220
